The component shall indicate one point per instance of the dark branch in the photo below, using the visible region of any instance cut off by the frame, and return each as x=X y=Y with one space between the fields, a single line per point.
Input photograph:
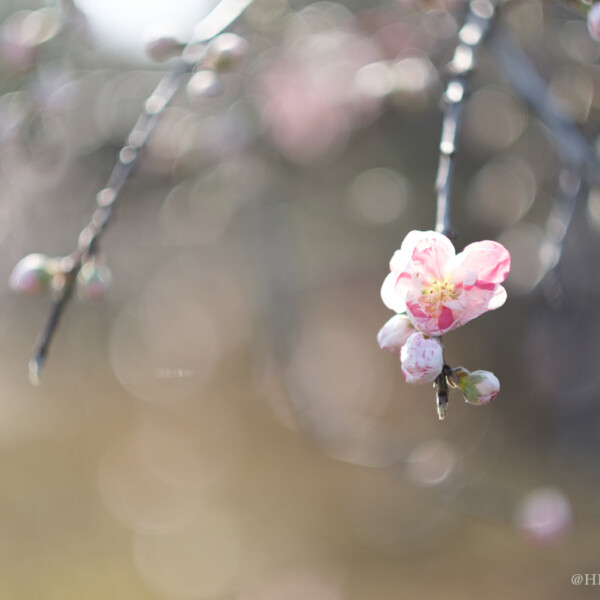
x=223 y=16
x=575 y=149
x=471 y=35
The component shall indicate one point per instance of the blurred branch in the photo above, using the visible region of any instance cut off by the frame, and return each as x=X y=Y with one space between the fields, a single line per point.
x=527 y=82
x=577 y=153
x=557 y=224
x=218 y=20
x=471 y=35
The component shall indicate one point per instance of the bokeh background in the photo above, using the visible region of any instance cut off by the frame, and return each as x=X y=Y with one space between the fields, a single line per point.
x=223 y=424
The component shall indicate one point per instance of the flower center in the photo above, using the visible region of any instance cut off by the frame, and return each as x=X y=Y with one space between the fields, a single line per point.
x=438 y=292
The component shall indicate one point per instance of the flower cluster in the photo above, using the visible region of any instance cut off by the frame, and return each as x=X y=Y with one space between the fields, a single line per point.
x=434 y=290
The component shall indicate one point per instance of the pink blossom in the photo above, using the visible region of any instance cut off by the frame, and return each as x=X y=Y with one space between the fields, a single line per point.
x=422 y=359
x=441 y=290
x=393 y=335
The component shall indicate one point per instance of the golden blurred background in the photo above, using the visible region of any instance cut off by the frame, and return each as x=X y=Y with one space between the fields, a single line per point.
x=223 y=424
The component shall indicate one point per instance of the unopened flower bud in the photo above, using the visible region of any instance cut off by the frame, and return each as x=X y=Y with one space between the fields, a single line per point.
x=160 y=48
x=203 y=84
x=31 y=275
x=593 y=22
x=93 y=280
x=393 y=335
x=422 y=358
x=225 y=52
x=478 y=387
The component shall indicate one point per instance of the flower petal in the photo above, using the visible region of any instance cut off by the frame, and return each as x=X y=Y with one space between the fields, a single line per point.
x=393 y=335
x=422 y=359
x=431 y=254
x=392 y=297
x=489 y=260
x=498 y=299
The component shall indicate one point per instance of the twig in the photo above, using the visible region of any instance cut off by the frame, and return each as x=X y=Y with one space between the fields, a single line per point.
x=471 y=35
x=441 y=394
x=557 y=225
x=577 y=153
x=219 y=19
x=527 y=82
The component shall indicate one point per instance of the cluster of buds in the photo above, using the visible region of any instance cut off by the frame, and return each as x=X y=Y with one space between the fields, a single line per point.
x=37 y=273
x=223 y=53
x=434 y=290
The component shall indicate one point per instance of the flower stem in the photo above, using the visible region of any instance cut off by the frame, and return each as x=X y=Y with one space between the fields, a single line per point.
x=441 y=391
x=477 y=24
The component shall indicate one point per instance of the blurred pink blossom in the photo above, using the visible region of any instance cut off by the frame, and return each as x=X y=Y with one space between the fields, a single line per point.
x=310 y=99
x=422 y=359
x=441 y=290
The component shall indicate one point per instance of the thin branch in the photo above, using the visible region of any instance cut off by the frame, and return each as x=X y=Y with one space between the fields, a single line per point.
x=577 y=153
x=219 y=19
x=557 y=225
x=471 y=35
x=576 y=150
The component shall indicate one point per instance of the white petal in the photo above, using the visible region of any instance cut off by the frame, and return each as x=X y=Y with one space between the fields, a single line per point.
x=393 y=335
x=390 y=297
x=498 y=299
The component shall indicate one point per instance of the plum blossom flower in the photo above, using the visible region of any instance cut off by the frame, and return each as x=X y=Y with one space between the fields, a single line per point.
x=422 y=359
x=393 y=335
x=479 y=387
x=440 y=290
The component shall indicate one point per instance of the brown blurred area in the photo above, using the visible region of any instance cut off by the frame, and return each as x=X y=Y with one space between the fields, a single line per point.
x=223 y=424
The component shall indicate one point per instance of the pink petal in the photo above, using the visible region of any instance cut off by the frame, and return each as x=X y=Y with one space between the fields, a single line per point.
x=422 y=359
x=393 y=335
x=422 y=320
x=393 y=297
x=445 y=320
x=489 y=260
x=432 y=252
x=498 y=299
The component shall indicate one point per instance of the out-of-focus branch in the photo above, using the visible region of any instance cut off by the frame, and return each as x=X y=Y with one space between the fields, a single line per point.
x=577 y=153
x=557 y=225
x=217 y=21
x=575 y=149
x=471 y=35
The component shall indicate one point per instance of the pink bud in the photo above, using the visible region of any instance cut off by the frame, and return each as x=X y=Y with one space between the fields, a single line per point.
x=393 y=335
x=30 y=275
x=225 y=52
x=422 y=359
x=593 y=22
x=479 y=387
x=93 y=281
x=160 y=48
x=203 y=84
